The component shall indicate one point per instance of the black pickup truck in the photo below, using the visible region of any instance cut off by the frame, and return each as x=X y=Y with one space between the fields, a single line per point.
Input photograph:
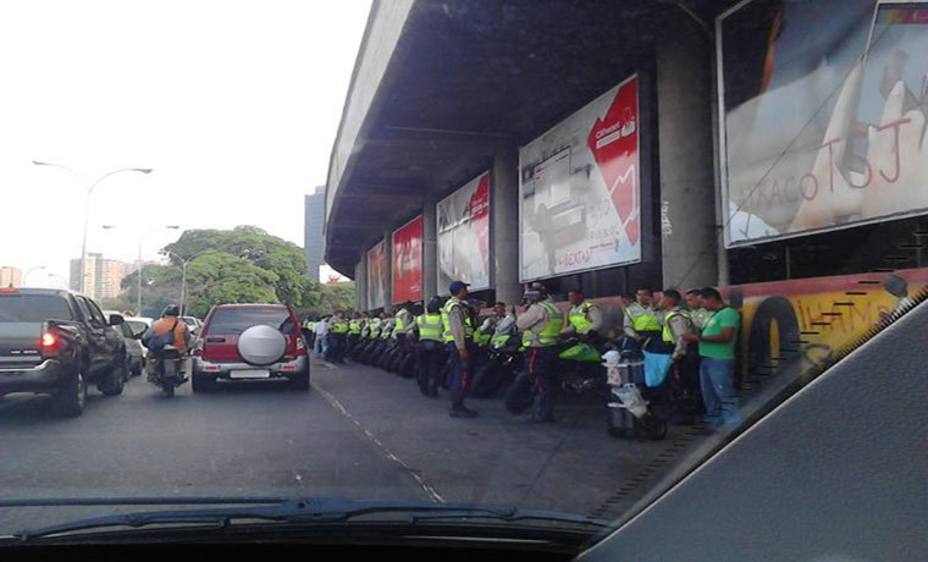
x=58 y=342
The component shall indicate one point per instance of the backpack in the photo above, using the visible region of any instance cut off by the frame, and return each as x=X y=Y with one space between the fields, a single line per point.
x=157 y=343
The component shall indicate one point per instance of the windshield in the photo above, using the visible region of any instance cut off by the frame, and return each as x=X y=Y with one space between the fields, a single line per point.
x=33 y=308
x=237 y=320
x=622 y=233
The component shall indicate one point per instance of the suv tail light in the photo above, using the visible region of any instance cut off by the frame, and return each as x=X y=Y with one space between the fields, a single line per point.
x=51 y=342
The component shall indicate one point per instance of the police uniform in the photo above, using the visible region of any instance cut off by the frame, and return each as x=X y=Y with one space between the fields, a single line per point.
x=458 y=331
x=339 y=333
x=541 y=325
x=430 y=352
x=354 y=334
x=643 y=323
x=585 y=319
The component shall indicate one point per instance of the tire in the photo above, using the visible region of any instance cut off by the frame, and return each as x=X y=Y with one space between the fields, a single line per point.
x=168 y=390
x=71 y=398
x=409 y=369
x=616 y=422
x=300 y=382
x=521 y=394
x=201 y=384
x=114 y=381
x=483 y=385
x=653 y=427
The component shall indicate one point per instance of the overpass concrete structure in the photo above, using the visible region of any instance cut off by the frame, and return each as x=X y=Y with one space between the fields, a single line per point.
x=443 y=91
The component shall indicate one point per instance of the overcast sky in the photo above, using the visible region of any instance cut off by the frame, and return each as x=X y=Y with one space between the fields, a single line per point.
x=234 y=104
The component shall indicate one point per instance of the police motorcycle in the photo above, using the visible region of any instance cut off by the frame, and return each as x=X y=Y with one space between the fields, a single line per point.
x=383 y=344
x=370 y=336
x=634 y=409
x=402 y=357
x=504 y=356
x=582 y=371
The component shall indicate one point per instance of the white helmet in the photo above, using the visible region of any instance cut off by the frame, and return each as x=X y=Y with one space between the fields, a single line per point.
x=611 y=358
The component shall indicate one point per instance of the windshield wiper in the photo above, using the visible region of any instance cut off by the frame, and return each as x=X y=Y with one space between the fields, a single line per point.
x=285 y=510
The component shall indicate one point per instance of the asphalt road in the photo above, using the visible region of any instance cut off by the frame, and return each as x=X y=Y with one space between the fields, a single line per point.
x=359 y=433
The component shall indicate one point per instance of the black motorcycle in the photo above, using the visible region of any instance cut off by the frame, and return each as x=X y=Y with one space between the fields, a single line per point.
x=166 y=369
x=503 y=361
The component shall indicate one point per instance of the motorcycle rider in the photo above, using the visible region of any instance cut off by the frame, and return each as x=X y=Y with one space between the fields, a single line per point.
x=169 y=322
x=429 y=353
x=458 y=328
x=542 y=323
x=642 y=322
x=584 y=319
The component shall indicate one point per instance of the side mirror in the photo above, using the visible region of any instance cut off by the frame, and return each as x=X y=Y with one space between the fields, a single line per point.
x=116 y=319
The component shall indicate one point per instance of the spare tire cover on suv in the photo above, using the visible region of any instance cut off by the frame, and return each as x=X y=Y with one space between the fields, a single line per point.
x=262 y=345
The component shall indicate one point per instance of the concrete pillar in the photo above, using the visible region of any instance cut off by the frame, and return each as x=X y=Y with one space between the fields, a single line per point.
x=429 y=250
x=388 y=294
x=360 y=283
x=504 y=218
x=684 y=98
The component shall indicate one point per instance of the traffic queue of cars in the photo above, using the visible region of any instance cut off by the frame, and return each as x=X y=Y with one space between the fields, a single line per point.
x=59 y=343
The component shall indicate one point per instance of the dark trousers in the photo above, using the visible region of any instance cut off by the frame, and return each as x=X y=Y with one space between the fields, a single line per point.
x=352 y=342
x=542 y=367
x=337 y=347
x=459 y=379
x=430 y=357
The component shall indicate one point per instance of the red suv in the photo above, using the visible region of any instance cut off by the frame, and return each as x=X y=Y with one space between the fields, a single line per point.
x=250 y=342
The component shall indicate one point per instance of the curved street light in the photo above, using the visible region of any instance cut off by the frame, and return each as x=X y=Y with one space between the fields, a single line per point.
x=183 y=276
x=89 y=187
x=30 y=270
x=138 y=271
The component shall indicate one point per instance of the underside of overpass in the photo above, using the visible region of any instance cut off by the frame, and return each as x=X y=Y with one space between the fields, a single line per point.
x=441 y=87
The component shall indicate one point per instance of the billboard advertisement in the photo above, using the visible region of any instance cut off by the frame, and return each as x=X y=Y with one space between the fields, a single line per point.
x=407 y=262
x=822 y=114
x=579 y=190
x=464 y=236
x=377 y=276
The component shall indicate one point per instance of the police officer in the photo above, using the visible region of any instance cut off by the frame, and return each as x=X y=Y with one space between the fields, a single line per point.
x=354 y=332
x=458 y=329
x=403 y=322
x=698 y=312
x=429 y=351
x=542 y=323
x=339 y=333
x=642 y=321
x=584 y=318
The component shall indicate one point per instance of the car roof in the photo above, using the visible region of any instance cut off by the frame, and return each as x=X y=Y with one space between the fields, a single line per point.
x=251 y=305
x=38 y=291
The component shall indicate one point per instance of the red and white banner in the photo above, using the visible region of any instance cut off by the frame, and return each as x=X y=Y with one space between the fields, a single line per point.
x=407 y=262
x=377 y=276
x=580 y=191
x=464 y=236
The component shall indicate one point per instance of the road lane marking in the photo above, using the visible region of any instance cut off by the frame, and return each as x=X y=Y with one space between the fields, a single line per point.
x=428 y=488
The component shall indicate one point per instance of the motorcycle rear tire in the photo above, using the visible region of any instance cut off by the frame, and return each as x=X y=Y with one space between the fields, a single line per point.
x=408 y=367
x=484 y=386
x=521 y=394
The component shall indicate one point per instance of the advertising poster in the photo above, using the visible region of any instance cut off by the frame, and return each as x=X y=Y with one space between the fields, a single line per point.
x=407 y=262
x=377 y=276
x=464 y=236
x=579 y=204
x=822 y=114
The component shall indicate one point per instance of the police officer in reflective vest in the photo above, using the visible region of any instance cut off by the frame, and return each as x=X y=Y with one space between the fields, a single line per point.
x=354 y=332
x=543 y=322
x=642 y=321
x=698 y=312
x=403 y=322
x=458 y=330
x=584 y=318
x=430 y=353
x=338 y=333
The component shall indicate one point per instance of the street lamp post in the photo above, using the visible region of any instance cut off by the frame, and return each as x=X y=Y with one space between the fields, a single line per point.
x=183 y=276
x=138 y=271
x=28 y=271
x=89 y=189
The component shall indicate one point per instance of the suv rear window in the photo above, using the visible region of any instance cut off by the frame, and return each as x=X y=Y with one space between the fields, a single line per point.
x=237 y=320
x=33 y=308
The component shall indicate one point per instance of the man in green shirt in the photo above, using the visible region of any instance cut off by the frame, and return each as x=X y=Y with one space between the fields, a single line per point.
x=717 y=360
